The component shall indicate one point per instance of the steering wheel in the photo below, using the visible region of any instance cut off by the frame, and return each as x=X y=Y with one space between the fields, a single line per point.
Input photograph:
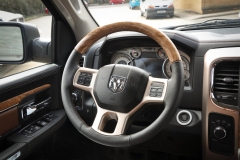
x=119 y=91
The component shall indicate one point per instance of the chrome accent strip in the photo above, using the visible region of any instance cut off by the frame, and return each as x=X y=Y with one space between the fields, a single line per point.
x=208 y=106
x=15 y=156
x=84 y=61
x=4 y=110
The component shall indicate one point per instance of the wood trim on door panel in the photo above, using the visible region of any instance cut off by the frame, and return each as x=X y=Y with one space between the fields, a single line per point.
x=15 y=100
x=8 y=120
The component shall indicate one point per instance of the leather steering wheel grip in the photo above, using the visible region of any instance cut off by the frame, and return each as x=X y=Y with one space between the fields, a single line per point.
x=172 y=97
x=155 y=34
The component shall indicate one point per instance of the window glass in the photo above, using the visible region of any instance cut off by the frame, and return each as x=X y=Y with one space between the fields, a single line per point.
x=162 y=13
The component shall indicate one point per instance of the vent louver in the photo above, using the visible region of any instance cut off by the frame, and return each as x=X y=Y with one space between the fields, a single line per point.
x=81 y=62
x=226 y=82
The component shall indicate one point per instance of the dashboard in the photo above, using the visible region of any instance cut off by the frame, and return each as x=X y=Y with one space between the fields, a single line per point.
x=135 y=49
x=151 y=59
x=144 y=53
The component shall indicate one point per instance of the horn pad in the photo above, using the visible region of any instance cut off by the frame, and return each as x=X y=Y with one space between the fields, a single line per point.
x=120 y=87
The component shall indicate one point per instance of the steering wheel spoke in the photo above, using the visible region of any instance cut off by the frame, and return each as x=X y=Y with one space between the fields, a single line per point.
x=154 y=93
x=84 y=79
x=104 y=116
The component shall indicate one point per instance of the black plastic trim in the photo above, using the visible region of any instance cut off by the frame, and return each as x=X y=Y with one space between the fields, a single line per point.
x=15 y=81
x=12 y=150
x=42 y=135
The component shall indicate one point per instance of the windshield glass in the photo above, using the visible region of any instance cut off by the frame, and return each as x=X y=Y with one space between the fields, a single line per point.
x=161 y=13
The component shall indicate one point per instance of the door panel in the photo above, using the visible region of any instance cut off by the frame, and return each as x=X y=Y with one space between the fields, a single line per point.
x=25 y=99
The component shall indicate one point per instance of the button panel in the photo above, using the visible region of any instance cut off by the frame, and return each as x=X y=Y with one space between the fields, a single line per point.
x=38 y=125
x=156 y=90
x=84 y=78
x=221 y=144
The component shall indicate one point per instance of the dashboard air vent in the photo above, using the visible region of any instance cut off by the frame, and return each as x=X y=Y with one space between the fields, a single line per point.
x=81 y=62
x=226 y=82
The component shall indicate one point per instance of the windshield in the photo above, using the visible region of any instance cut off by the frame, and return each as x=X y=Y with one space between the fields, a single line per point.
x=161 y=13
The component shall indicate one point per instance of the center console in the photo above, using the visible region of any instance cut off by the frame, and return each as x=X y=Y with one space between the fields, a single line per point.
x=220 y=108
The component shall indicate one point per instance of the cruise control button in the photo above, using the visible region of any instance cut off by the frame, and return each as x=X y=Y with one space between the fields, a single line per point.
x=153 y=89
x=89 y=74
x=152 y=94
x=86 y=84
x=160 y=85
x=159 y=90
x=159 y=95
x=88 y=80
x=81 y=78
x=80 y=82
x=83 y=73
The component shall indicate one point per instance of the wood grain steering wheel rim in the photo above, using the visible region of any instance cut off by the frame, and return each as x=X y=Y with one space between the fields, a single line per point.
x=171 y=94
x=153 y=33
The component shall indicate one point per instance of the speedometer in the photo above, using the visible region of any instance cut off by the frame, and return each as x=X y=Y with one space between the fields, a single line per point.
x=167 y=71
x=122 y=59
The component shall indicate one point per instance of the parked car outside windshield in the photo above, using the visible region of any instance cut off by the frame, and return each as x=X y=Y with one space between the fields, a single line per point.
x=8 y=16
x=161 y=13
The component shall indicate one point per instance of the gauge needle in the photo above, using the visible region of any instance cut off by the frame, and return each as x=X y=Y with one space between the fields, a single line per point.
x=129 y=63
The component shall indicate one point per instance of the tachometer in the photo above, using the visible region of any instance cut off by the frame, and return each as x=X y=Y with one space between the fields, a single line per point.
x=122 y=59
x=135 y=53
x=167 y=71
x=161 y=54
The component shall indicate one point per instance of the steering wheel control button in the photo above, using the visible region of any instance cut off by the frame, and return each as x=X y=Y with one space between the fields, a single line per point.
x=152 y=94
x=156 y=90
x=85 y=78
x=153 y=89
x=184 y=117
x=83 y=74
x=220 y=132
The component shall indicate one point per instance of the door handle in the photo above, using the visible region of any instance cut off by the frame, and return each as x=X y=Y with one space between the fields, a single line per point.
x=31 y=108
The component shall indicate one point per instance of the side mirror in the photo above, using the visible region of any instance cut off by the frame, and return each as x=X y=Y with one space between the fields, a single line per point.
x=15 y=42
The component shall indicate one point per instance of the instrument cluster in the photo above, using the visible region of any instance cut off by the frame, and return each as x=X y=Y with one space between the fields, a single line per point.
x=133 y=56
